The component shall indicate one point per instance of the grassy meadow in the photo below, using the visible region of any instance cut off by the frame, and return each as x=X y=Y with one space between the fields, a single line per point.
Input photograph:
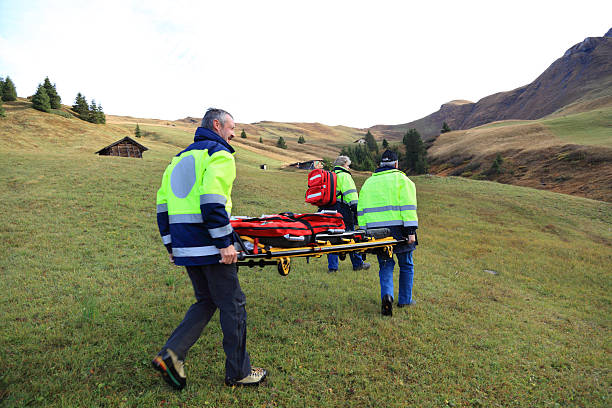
x=514 y=292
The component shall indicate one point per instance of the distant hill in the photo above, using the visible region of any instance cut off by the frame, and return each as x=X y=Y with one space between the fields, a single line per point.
x=322 y=141
x=583 y=74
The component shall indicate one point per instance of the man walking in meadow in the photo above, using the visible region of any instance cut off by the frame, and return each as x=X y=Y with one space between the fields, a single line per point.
x=193 y=207
x=346 y=205
x=388 y=200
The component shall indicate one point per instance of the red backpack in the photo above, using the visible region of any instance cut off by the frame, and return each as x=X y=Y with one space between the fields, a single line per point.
x=321 y=188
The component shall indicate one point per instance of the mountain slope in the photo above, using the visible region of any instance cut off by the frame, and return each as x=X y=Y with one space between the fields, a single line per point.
x=583 y=73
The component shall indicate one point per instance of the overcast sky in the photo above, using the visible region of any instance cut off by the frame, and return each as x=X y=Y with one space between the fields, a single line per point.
x=354 y=63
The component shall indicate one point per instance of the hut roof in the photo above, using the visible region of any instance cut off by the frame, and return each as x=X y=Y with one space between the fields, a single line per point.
x=125 y=139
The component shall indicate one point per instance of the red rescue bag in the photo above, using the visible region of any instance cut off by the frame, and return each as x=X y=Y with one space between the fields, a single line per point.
x=321 y=188
x=288 y=229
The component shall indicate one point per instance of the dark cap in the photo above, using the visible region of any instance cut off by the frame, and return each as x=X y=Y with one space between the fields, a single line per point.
x=388 y=156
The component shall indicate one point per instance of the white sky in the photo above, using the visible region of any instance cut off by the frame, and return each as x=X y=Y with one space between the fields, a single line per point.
x=355 y=63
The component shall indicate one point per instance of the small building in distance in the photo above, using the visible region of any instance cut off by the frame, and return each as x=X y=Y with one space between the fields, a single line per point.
x=308 y=165
x=360 y=141
x=126 y=147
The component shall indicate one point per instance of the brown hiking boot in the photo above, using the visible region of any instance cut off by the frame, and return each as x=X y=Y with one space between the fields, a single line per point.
x=255 y=378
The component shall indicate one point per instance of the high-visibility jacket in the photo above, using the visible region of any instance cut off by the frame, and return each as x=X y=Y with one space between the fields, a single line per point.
x=345 y=186
x=194 y=201
x=388 y=200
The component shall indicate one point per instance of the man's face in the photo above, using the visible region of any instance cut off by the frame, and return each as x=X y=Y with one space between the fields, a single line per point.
x=226 y=131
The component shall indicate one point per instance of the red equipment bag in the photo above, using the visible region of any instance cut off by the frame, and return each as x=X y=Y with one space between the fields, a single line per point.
x=321 y=188
x=288 y=229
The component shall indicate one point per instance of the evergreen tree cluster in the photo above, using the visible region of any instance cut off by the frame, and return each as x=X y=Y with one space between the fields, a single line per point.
x=301 y=140
x=445 y=128
x=281 y=143
x=8 y=92
x=416 y=154
x=46 y=97
x=363 y=156
x=89 y=112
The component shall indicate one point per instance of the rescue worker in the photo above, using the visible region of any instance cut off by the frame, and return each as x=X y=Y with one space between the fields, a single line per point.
x=193 y=207
x=388 y=200
x=346 y=204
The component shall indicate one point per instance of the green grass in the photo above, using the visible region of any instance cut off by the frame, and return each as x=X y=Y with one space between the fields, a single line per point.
x=587 y=128
x=89 y=296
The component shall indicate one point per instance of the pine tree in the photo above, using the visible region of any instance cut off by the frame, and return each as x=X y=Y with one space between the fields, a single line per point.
x=385 y=144
x=281 y=143
x=260 y=140
x=41 y=101
x=371 y=142
x=9 y=93
x=100 y=116
x=92 y=115
x=54 y=99
x=2 y=114
x=137 y=131
x=81 y=107
x=243 y=134
x=445 y=128
x=416 y=154
x=301 y=140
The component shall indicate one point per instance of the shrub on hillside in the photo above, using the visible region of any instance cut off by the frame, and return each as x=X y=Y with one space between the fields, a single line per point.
x=301 y=140
x=243 y=134
x=2 y=114
x=281 y=143
x=496 y=166
x=60 y=112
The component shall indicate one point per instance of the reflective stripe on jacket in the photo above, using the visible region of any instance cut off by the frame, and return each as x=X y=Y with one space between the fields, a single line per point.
x=387 y=199
x=194 y=201
x=345 y=189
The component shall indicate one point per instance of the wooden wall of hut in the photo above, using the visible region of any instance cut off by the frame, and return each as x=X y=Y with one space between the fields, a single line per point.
x=125 y=150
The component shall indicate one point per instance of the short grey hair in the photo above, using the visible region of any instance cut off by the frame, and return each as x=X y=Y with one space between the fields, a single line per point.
x=342 y=161
x=212 y=114
x=388 y=164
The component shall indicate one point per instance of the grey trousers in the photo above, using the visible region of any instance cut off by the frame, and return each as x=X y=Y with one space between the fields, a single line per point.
x=216 y=287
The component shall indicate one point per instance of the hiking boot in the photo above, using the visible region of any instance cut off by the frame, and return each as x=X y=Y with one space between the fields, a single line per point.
x=387 y=306
x=171 y=368
x=412 y=303
x=257 y=376
x=364 y=267
x=332 y=270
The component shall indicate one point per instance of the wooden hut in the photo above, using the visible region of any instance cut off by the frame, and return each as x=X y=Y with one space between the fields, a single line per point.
x=126 y=147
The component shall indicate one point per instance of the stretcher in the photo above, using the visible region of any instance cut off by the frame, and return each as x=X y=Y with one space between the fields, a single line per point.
x=252 y=253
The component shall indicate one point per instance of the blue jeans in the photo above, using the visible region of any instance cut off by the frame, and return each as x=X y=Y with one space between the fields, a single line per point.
x=216 y=287
x=385 y=274
x=332 y=260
